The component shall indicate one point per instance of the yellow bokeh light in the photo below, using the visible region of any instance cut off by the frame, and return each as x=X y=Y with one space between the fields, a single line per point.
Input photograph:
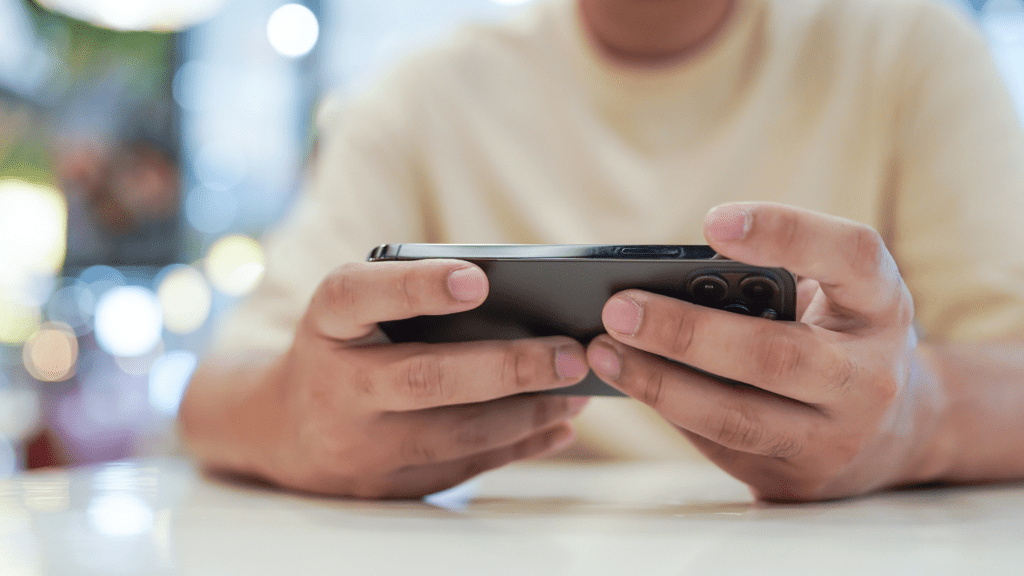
x=17 y=321
x=51 y=353
x=33 y=230
x=235 y=264
x=185 y=299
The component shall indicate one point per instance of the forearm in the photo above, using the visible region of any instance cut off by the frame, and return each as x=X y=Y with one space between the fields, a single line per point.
x=980 y=430
x=229 y=412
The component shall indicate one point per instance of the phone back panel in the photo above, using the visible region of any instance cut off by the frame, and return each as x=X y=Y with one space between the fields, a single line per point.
x=547 y=296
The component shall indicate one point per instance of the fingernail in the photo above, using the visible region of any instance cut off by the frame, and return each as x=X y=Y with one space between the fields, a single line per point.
x=577 y=403
x=727 y=223
x=569 y=365
x=467 y=284
x=623 y=316
x=605 y=361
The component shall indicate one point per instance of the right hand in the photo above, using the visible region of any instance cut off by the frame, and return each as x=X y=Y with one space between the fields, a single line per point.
x=375 y=420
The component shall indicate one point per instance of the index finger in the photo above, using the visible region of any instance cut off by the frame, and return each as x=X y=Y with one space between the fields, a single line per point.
x=351 y=301
x=848 y=259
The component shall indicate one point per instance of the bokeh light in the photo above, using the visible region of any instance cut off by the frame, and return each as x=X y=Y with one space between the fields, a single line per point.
x=190 y=84
x=98 y=280
x=293 y=30
x=137 y=14
x=51 y=353
x=185 y=298
x=17 y=321
x=139 y=365
x=128 y=321
x=33 y=230
x=169 y=378
x=119 y=515
x=211 y=211
x=19 y=412
x=73 y=305
x=235 y=264
x=220 y=165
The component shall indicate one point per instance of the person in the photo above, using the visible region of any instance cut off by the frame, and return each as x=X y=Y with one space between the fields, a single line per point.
x=868 y=146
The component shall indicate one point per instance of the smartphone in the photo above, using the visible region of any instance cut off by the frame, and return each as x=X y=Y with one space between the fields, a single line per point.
x=547 y=290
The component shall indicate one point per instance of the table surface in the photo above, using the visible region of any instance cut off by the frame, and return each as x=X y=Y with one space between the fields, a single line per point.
x=162 y=516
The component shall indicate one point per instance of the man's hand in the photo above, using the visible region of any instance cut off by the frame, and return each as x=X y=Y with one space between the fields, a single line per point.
x=344 y=413
x=830 y=406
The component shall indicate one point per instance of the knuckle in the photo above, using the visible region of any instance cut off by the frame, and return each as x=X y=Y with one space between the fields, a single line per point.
x=361 y=383
x=518 y=368
x=783 y=447
x=680 y=333
x=735 y=427
x=843 y=375
x=408 y=289
x=416 y=449
x=653 y=390
x=844 y=450
x=778 y=356
x=425 y=376
x=867 y=249
x=338 y=292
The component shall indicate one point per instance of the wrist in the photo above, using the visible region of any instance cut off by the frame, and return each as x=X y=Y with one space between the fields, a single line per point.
x=229 y=415
x=933 y=443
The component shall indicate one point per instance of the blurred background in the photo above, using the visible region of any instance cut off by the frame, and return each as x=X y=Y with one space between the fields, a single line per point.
x=145 y=145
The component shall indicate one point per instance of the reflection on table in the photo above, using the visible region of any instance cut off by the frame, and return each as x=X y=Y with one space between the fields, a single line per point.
x=164 y=517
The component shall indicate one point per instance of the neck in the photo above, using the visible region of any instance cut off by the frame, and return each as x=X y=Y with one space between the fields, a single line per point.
x=653 y=32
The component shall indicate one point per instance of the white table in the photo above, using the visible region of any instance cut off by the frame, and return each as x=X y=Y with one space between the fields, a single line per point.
x=163 y=517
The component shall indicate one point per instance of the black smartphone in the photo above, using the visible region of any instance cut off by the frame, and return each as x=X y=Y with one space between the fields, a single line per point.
x=547 y=290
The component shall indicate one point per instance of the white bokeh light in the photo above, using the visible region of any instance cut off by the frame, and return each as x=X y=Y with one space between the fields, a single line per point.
x=168 y=379
x=128 y=321
x=137 y=14
x=120 y=515
x=293 y=30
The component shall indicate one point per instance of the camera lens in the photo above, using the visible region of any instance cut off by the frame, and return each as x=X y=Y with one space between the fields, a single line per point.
x=759 y=289
x=708 y=289
x=737 y=308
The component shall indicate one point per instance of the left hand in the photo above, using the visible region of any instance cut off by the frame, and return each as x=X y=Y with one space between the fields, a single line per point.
x=836 y=405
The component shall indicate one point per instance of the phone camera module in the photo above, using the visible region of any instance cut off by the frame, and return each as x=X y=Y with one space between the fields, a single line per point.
x=708 y=289
x=759 y=289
